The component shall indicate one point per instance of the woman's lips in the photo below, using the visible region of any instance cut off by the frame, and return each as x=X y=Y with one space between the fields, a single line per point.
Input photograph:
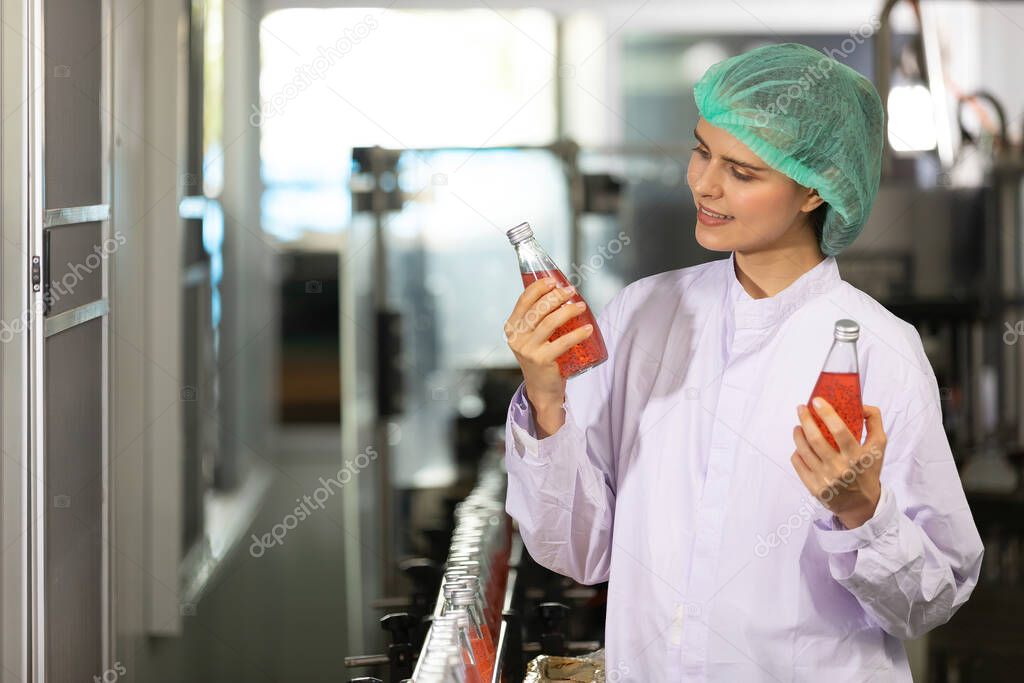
x=708 y=217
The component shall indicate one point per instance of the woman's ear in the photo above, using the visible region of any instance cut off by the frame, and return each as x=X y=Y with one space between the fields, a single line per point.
x=812 y=201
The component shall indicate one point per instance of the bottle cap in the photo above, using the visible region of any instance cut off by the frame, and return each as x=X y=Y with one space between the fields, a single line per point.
x=461 y=599
x=847 y=330
x=521 y=232
x=451 y=589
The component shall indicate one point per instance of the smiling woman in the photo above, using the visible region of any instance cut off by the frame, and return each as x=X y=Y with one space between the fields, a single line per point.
x=663 y=469
x=733 y=187
x=807 y=116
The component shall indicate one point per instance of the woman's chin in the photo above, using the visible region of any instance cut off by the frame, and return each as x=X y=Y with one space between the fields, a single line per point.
x=713 y=239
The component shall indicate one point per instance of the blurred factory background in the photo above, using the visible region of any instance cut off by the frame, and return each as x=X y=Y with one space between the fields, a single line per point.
x=255 y=277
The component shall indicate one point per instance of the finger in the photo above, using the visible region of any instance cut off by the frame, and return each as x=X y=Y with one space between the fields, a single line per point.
x=526 y=323
x=813 y=481
x=805 y=473
x=568 y=340
x=811 y=458
x=817 y=443
x=530 y=295
x=835 y=424
x=875 y=431
x=549 y=302
x=816 y=483
x=560 y=316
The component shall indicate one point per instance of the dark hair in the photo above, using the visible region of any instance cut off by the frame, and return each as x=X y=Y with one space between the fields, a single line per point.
x=818 y=220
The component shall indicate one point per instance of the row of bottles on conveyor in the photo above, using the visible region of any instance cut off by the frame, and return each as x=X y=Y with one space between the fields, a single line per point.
x=461 y=644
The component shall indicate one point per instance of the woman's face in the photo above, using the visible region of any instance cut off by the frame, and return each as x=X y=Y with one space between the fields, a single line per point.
x=761 y=206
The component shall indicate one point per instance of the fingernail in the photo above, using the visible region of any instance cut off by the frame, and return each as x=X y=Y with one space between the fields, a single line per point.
x=549 y=281
x=818 y=403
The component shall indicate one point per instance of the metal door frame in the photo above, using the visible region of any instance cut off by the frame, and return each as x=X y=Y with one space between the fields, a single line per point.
x=37 y=432
x=16 y=271
x=38 y=219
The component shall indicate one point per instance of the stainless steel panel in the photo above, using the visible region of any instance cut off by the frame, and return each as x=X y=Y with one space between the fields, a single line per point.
x=75 y=266
x=76 y=214
x=72 y=67
x=199 y=407
x=76 y=316
x=73 y=503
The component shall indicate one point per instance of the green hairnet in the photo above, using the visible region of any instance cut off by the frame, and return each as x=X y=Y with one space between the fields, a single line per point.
x=808 y=116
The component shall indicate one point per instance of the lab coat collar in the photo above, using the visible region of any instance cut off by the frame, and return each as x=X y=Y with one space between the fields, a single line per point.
x=773 y=310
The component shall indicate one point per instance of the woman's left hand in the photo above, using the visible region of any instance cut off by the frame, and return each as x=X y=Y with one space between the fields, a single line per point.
x=847 y=481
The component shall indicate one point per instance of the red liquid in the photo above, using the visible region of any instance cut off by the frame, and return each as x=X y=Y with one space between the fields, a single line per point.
x=483 y=653
x=842 y=391
x=473 y=670
x=589 y=352
x=495 y=591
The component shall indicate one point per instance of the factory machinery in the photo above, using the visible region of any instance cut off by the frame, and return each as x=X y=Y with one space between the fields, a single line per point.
x=481 y=611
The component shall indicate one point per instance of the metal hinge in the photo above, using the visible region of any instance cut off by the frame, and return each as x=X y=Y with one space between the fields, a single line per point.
x=37 y=274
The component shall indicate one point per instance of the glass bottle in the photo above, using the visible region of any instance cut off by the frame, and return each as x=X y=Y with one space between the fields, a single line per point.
x=442 y=660
x=535 y=264
x=839 y=382
x=474 y=667
x=479 y=635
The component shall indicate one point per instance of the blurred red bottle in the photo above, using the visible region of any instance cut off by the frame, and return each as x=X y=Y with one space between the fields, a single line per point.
x=839 y=382
x=474 y=667
x=535 y=264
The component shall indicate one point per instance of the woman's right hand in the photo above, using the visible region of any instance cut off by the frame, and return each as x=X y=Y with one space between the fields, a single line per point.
x=539 y=311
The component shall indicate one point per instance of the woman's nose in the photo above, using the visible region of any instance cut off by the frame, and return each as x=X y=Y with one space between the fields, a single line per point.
x=706 y=183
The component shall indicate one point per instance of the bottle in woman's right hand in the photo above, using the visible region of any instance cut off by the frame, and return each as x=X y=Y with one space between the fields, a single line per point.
x=535 y=264
x=541 y=310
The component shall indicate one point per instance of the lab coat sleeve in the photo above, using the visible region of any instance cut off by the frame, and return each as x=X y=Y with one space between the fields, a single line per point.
x=918 y=558
x=561 y=488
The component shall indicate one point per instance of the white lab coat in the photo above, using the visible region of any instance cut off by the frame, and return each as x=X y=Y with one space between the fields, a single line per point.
x=671 y=479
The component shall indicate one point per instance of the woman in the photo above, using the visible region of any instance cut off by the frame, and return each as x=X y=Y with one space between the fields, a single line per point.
x=738 y=545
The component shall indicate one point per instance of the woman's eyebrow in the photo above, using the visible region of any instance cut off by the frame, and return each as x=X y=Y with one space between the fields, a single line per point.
x=744 y=164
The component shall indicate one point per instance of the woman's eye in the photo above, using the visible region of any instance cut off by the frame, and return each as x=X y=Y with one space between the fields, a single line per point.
x=707 y=155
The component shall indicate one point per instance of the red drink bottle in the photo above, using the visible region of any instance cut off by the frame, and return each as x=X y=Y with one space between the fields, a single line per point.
x=480 y=639
x=535 y=264
x=839 y=382
x=474 y=667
